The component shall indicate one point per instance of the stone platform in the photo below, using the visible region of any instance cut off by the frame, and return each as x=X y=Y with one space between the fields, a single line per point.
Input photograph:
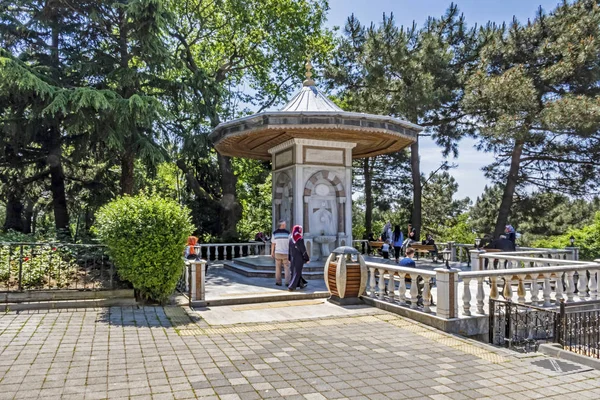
x=264 y=267
x=227 y=287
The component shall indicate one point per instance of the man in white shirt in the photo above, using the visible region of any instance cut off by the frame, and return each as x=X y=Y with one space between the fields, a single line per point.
x=280 y=243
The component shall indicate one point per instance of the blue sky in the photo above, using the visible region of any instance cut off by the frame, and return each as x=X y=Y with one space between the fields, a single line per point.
x=468 y=174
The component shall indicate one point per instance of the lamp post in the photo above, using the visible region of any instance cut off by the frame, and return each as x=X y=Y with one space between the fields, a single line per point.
x=477 y=242
x=572 y=240
x=446 y=254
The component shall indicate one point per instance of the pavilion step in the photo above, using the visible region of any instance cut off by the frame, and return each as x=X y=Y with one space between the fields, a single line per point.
x=307 y=272
x=250 y=299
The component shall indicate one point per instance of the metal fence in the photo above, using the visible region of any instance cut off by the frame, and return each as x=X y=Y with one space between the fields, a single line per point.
x=49 y=266
x=579 y=327
x=521 y=327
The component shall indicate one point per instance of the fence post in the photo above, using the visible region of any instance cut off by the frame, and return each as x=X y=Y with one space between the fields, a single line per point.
x=476 y=263
x=20 y=282
x=447 y=292
x=574 y=253
x=452 y=247
x=197 y=279
x=268 y=248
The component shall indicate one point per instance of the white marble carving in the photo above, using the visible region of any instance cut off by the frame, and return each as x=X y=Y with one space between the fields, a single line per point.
x=322 y=156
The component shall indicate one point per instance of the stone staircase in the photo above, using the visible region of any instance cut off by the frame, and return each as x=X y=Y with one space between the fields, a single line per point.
x=264 y=267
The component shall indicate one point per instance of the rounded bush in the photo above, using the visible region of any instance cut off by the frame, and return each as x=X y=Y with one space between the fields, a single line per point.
x=146 y=237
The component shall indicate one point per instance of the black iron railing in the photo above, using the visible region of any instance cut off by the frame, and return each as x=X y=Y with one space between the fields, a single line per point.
x=521 y=327
x=579 y=327
x=47 y=266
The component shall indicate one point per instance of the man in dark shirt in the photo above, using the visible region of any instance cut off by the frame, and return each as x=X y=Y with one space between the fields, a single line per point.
x=502 y=243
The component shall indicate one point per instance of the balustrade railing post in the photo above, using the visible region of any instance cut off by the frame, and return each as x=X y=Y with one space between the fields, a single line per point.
x=477 y=264
x=521 y=289
x=391 y=286
x=594 y=284
x=402 y=288
x=426 y=295
x=547 y=290
x=447 y=292
x=372 y=281
x=558 y=294
x=381 y=290
x=480 y=296
x=534 y=290
x=574 y=253
x=570 y=286
x=197 y=280
x=414 y=290
x=452 y=247
x=467 y=296
x=582 y=285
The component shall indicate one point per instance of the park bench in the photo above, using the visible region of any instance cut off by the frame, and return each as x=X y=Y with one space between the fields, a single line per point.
x=425 y=249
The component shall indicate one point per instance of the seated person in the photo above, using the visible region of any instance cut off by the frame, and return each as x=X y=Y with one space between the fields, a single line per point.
x=430 y=242
x=502 y=243
x=409 y=262
x=385 y=250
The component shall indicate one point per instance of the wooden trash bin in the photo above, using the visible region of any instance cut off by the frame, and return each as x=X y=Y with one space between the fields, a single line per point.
x=345 y=275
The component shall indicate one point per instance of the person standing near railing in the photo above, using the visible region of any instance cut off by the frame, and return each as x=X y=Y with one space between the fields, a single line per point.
x=280 y=252
x=398 y=240
x=298 y=257
x=190 y=249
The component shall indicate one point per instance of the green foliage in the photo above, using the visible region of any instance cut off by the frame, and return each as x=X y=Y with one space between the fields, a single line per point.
x=587 y=239
x=534 y=98
x=146 y=236
x=440 y=209
x=460 y=231
x=254 y=190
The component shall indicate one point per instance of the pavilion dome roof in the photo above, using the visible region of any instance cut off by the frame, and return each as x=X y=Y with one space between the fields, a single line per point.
x=311 y=115
x=310 y=99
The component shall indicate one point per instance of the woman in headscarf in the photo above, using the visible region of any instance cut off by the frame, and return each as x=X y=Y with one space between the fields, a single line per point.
x=190 y=250
x=510 y=233
x=298 y=257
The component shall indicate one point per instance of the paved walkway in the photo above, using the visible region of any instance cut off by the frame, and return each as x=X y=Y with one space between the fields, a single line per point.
x=161 y=353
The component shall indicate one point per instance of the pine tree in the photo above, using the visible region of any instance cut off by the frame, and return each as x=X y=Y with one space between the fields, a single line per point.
x=534 y=97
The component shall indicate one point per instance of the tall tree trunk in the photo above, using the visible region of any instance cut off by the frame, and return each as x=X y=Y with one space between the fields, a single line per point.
x=191 y=180
x=368 y=195
x=57 y=185
x=14 y=212
x=28 y=216
x=417 y=192
x=127 y=176
x=230 y=208
x=509 y=188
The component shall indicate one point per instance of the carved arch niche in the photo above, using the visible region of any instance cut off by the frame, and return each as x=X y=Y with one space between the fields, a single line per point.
x=333 y=181
x=283 y=199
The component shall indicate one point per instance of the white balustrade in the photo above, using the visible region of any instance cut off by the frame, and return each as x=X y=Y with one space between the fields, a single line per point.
x=384 y=277
x=227 y=251
x=527 y=282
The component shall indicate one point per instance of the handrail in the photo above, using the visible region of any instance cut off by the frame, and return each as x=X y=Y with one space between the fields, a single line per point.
x=505 y=256
x=528 y=271
x=232 y=244
x=397 y=268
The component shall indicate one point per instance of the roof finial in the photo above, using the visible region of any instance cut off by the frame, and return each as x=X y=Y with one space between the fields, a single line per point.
x=308 y=81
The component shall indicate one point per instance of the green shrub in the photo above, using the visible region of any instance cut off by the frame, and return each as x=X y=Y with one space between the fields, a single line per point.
x=146 y=236
x=586 y=238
